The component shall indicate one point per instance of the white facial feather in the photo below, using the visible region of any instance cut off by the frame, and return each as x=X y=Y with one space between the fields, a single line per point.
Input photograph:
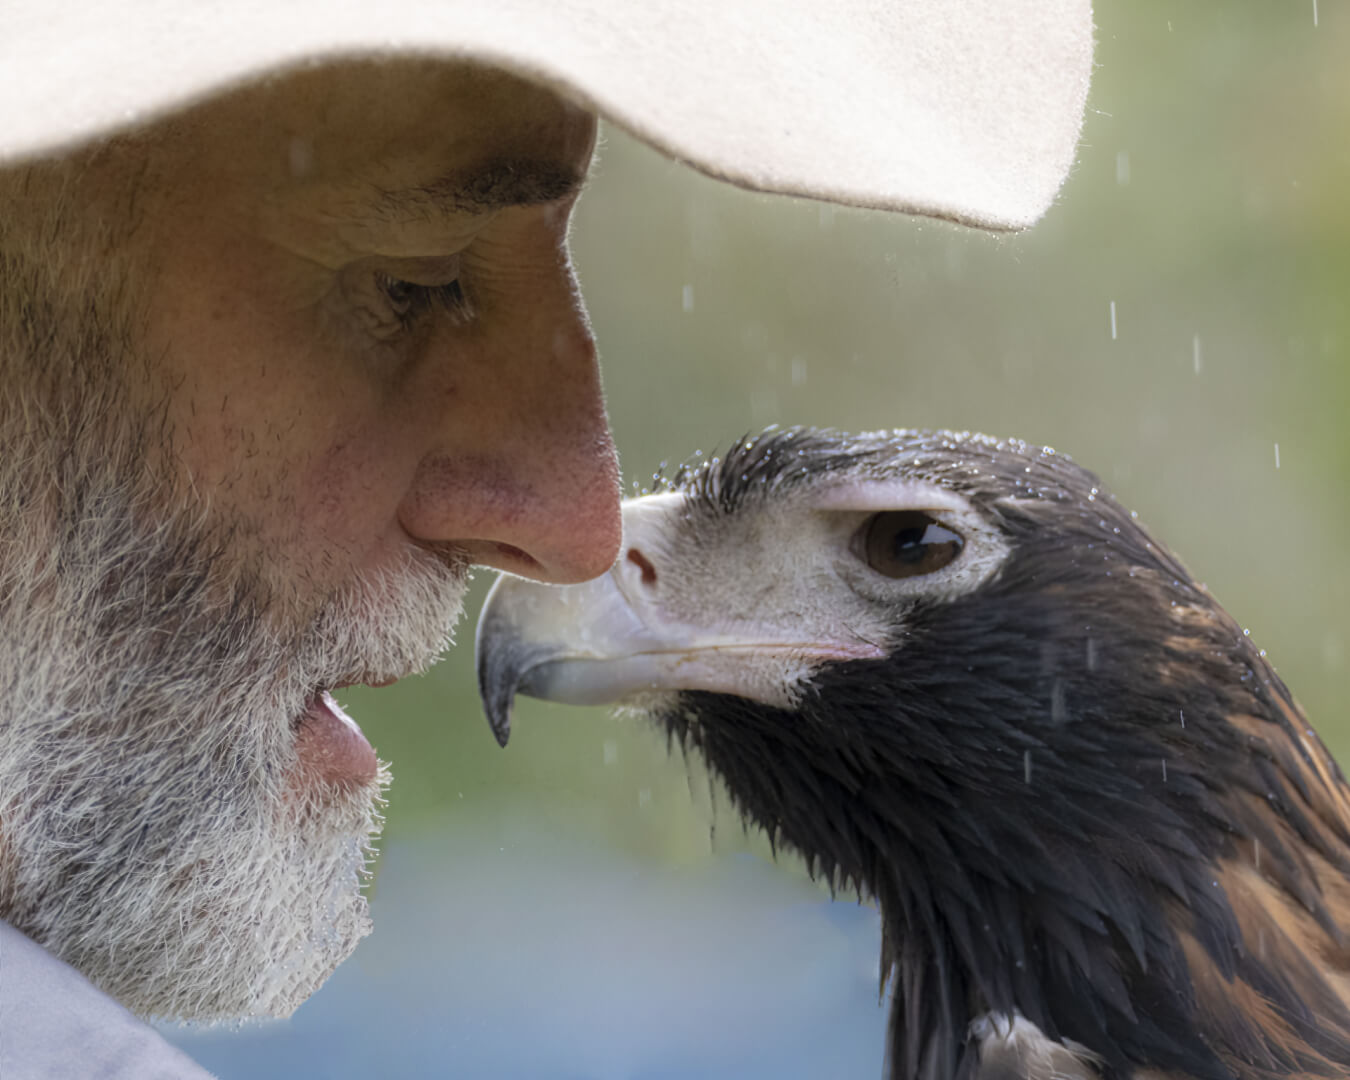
x=790 y=571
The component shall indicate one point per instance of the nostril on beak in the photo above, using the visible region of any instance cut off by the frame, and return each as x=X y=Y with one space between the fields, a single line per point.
x=640 y=561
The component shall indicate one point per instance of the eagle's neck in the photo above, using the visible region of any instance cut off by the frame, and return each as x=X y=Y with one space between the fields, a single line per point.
x=1045 y=833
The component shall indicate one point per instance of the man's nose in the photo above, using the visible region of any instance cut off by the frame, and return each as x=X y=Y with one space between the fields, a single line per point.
x=520 y=471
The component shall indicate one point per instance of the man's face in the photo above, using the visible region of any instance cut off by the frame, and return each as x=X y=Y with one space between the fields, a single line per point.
x=370 y=326
x=358 y=363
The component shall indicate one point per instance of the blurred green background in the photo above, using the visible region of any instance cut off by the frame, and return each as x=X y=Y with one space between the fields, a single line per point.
x=1209 y=207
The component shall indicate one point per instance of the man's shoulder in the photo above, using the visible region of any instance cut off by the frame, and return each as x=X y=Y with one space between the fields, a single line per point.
x=55 y=1023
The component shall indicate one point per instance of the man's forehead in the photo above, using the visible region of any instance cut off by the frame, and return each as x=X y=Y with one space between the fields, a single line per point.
x=407 y=215
x=403 y=145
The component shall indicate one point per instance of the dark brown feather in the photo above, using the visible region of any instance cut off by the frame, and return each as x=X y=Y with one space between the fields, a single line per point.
x=1172 y=894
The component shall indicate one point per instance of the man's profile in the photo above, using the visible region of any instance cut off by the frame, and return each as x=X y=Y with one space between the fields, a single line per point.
x=285 y=347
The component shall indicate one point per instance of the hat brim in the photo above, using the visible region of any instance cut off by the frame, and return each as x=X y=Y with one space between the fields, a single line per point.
x=967 y=110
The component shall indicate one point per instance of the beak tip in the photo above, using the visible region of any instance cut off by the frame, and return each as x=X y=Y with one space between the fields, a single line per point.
x=498 y=696
x=498 y=675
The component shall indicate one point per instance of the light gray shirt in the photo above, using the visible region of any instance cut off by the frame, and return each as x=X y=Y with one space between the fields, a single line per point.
x=56 y=1025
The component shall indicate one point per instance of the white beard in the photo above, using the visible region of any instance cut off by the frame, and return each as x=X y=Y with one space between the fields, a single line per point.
x=152 y=832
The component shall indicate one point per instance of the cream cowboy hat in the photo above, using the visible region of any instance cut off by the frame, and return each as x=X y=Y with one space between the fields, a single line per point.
x=960 y=109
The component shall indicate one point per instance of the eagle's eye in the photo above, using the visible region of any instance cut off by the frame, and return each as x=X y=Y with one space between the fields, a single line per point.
x=907 y=543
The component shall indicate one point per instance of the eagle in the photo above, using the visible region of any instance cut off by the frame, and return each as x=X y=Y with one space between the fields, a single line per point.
x=956 y=675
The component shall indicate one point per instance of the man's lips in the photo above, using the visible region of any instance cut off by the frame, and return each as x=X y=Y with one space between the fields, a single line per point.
x=331 y=747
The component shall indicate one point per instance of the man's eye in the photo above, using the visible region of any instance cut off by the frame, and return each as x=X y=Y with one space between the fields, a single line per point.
x=408 y=300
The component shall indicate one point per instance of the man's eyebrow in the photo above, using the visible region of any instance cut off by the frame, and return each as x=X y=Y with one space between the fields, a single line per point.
x=496 y=186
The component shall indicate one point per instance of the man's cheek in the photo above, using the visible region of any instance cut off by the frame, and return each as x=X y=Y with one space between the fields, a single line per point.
x=348 y=498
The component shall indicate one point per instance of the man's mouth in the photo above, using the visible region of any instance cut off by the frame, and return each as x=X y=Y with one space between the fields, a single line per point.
x=330 y=745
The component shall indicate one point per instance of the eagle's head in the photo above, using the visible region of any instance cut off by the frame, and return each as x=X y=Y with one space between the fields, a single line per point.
x=954 y=673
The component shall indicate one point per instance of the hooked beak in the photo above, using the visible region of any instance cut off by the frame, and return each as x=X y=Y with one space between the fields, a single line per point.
x=616 y=637
x=576 y=644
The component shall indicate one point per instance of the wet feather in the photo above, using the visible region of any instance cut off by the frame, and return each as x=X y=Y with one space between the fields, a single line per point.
x=1114 y=906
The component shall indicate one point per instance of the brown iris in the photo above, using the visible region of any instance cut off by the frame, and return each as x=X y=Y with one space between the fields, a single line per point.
x=907 y=543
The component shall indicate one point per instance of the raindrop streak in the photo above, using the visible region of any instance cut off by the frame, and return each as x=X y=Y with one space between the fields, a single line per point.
x=1164 y=765
x=1277 y=455
x=1026 y=765
x=687 y=298
x=1256 y=854
x=1314 y=14
x=1183 y=717
x=1122 y=167
x=1113 y=320
x=1195 y=353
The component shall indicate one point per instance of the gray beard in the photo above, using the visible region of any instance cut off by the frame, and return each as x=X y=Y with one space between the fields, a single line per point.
x=152 y=830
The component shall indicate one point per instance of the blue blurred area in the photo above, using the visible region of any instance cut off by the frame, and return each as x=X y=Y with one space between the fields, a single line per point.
x=551 y=958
